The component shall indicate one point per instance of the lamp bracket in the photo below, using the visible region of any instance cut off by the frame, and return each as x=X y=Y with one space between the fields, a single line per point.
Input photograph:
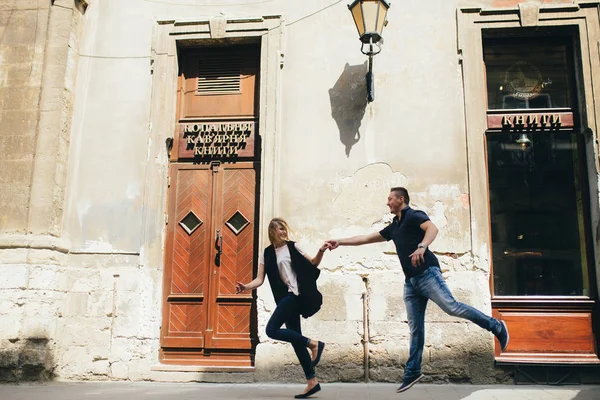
x=370 y=51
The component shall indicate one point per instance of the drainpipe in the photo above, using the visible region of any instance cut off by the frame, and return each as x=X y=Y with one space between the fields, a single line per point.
x=113 y=314
x=365 y=338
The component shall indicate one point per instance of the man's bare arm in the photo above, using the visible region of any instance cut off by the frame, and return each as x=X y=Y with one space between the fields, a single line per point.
x=431 y=231
x=356 y=240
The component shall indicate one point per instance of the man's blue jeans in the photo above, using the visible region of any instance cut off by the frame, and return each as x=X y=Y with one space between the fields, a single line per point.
x=417 y=291
x=288 y=312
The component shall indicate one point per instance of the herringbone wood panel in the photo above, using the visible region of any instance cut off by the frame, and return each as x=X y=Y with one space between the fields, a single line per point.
x=234 y=318
x=192 y=261
x=187 y=318
x=189 y=251
x=237 y=261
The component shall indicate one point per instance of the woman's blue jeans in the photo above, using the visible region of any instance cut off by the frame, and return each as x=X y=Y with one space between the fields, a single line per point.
x=288 y=312
x=417 y=291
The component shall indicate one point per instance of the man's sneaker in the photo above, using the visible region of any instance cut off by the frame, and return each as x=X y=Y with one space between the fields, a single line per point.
x=503 y=336
x=408 y=383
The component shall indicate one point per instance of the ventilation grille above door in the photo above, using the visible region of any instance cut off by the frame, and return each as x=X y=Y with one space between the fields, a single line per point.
x=219 y=75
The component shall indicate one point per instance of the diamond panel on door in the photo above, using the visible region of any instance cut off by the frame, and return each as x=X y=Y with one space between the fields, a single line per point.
x=237 y=222
x=190 y=223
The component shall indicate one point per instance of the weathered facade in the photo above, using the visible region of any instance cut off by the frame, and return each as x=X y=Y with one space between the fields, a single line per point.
x=112 y=194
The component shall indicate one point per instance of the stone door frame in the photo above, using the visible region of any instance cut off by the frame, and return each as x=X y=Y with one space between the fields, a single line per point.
x=168 y=37
x=471 y=21
x=582 y=17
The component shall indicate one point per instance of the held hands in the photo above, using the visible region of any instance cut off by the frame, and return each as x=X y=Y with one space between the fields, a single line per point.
x=417 y=258
x=332 y=243
x=239 y=287
x=325 y=246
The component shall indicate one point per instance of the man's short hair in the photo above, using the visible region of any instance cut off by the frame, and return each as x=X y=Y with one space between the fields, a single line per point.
x=400 y=191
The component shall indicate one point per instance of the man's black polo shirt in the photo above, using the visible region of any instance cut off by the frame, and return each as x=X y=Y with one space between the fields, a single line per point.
x=406 y=233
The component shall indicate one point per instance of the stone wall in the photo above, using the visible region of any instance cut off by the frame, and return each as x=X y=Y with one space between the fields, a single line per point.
x=38 y=55
x=23 y=35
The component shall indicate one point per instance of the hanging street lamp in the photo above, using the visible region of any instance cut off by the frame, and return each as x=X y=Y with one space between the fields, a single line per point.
x=370 y=18
x=524 y=141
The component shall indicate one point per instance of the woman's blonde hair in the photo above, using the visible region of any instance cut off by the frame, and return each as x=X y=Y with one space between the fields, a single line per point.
x=274 y=237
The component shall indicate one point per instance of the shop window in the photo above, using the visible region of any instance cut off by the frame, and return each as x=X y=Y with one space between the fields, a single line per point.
x=537 y=215
x=528 y=73
x=536 y=171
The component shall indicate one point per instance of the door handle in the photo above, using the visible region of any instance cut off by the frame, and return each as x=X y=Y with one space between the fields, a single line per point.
x=219 y=248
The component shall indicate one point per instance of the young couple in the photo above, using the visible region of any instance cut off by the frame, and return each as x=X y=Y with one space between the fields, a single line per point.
x=293 y=274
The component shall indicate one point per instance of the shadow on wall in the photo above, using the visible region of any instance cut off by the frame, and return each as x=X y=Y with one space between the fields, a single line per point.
x=348 y=98
x=23 y=360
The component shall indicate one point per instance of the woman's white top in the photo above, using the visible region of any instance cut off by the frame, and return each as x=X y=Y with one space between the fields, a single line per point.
x=284 y=264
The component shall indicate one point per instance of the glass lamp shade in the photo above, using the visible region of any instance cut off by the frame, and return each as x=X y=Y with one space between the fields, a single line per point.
x=370 y=18
x=523 y=139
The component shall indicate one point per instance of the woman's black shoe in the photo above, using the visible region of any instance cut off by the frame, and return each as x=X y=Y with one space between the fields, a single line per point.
x=310 y=392
x=321 y=346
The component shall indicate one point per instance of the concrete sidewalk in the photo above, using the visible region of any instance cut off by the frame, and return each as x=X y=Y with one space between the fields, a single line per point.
x=341 y=391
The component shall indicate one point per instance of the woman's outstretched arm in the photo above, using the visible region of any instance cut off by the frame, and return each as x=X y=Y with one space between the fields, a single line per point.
x=316 y=260
x=259 y=280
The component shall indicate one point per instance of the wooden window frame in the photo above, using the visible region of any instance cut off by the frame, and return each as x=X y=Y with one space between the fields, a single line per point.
x=583 y=18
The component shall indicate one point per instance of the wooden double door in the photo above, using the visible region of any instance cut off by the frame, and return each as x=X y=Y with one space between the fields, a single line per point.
x=212 y=209
x=210 y=246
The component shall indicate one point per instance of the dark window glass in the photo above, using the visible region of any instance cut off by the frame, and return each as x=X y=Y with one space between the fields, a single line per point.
x=528 y=73
x=537 y=215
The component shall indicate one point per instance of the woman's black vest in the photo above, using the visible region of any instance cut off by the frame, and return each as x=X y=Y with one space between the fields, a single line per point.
x=306 y=274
